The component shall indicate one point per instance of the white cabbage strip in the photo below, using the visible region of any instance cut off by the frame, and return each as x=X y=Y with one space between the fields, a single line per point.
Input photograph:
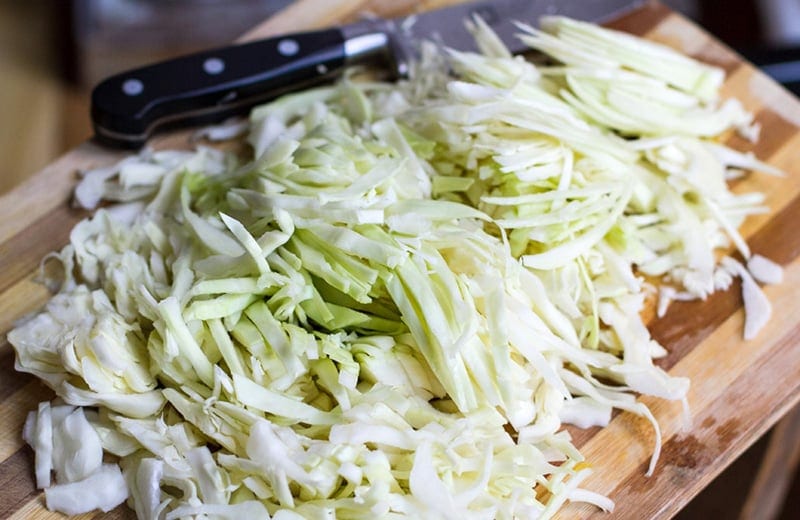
x=390 y=307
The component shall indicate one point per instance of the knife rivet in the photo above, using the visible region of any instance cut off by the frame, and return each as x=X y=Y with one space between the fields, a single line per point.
x=132 y=87
x=288 y=47
x=213 y=66
x=322 y=69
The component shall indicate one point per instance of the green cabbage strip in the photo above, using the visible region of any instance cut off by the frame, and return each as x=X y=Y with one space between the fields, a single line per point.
x=389 y=308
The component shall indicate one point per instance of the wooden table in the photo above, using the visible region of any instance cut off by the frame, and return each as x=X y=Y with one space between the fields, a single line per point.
x=739 y=389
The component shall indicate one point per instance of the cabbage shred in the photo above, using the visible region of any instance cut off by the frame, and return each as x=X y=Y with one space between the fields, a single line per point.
x=391 y=306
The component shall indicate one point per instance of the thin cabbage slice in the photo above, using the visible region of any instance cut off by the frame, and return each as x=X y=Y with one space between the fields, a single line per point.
x=765 y=270
x=757 y=307
x=104 y=489
x=38 y=433
x=573 y=41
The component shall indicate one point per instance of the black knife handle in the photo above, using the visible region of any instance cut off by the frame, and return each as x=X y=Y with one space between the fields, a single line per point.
x=211 y=85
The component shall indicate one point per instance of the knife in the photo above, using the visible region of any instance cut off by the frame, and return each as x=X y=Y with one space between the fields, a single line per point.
x=213 y=85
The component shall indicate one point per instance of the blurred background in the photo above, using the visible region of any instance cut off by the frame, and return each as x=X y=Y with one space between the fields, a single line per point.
x=53 y=51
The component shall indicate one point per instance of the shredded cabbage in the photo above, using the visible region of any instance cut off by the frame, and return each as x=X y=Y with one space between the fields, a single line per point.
x=391 y=306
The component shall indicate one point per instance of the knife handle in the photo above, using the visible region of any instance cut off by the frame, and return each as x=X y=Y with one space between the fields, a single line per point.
x=212 y=85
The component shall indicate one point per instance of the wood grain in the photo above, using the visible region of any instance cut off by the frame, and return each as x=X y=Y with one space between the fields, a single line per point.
x=739 y=389
x=774 y=477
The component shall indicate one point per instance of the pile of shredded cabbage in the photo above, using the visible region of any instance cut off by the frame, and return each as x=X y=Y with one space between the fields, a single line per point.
x=389 y=309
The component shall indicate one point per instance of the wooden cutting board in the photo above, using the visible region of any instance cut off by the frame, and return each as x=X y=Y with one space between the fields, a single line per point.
x=739 y=389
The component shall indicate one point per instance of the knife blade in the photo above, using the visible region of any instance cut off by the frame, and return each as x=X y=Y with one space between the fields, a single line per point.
x=212 y=85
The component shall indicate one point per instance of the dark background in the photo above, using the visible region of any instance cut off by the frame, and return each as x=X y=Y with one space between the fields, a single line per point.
x=98 y=37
